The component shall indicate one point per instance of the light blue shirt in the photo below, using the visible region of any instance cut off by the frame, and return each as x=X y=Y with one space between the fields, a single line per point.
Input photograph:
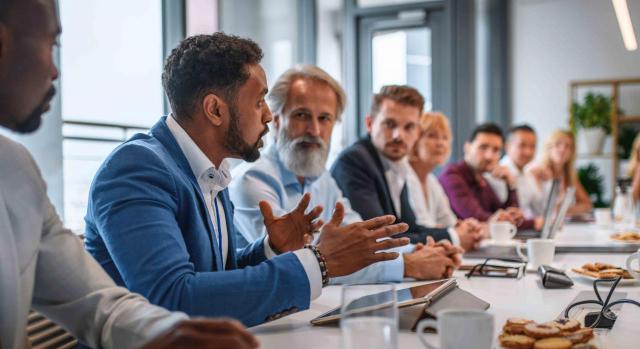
x=268 y=180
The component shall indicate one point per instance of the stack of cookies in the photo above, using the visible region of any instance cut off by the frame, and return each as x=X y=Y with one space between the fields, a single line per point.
x=558 y=334
x=602 y=271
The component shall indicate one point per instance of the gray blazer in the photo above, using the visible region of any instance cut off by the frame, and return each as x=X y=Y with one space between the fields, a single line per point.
x=44 y=266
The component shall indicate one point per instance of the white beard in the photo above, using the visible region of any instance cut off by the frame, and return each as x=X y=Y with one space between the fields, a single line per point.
x=303 y=162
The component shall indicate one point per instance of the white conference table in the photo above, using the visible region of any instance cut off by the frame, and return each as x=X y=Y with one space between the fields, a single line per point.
x=508 y=298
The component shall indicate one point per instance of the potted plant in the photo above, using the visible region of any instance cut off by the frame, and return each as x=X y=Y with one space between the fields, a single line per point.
x=591 y=180
x=593 y=118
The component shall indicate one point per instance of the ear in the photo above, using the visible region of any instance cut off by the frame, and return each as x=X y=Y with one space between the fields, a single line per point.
x=276 y=121
x=467 y=145
x=368 y=121
x=214 y=109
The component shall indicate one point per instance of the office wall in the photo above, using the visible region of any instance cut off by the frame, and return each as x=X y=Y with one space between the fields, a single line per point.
x=556 y=41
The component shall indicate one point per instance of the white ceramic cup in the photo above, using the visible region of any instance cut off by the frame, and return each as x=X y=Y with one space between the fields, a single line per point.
x=602 y=216
x=502 y=232
x=634 y=257
x=457 y=328
x=539 y=252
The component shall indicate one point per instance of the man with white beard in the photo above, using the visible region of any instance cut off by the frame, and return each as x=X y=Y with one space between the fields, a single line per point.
x=306 y=103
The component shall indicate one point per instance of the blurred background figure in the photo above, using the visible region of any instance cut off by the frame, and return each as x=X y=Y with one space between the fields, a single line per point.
x=558 y=162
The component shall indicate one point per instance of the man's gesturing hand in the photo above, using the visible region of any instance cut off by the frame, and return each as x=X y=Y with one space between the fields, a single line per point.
x=349 y=248
x=293 y=230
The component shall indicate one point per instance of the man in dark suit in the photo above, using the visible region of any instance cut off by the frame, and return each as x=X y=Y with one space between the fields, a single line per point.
x=372 y=172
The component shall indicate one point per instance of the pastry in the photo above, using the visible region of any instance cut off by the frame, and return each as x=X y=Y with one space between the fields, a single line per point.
x=584 y=346
x=516 y=341
x=565 y=325
x=515 y=325
x=553 y=343
x=603 y=266
x=539 y=331
x=582 y=335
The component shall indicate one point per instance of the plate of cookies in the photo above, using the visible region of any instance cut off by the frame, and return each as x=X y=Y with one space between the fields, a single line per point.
x=627 y=236
x=593 y=271
x=520 y=333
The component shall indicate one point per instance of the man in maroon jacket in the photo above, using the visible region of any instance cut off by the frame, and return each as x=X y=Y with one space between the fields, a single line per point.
x=469 y=193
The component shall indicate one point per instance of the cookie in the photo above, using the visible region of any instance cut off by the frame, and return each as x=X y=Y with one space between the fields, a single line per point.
x=582 y=335
x=517 y=341
x=565 y=325
x=539 y=331
x=590 y=267
x=603 y=266
x=553 y=343
x=584 y=346
x=603 y=275
x=515 y=325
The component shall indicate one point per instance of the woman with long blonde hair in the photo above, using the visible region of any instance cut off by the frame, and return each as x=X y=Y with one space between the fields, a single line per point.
x=634 y=168
x=559 y=160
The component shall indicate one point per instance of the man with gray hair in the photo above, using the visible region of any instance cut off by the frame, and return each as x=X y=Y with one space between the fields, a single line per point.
x=306 y=104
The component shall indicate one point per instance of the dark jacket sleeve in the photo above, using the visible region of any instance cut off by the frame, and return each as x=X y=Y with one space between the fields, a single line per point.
x=356 y=180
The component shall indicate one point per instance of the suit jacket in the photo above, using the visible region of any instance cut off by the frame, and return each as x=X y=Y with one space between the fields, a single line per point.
x=44 y=266
x=360 y=175
x=148 y=226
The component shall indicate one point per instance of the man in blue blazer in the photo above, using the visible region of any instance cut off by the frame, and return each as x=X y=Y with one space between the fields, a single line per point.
x=160 y=220
x=372 y=173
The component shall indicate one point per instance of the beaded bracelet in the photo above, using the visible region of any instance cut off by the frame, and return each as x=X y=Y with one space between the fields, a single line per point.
x=321 y=262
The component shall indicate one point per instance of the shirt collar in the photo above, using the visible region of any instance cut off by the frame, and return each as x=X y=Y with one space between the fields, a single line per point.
x=506 y=161
x=200 y=164
x=398 y=167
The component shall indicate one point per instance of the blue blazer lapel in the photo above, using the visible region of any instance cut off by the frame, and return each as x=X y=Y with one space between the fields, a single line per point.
x=162 y=133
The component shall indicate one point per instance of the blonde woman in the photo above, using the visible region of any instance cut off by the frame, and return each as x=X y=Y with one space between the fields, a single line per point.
x=558 y=162
x=433 y=149
x=634 y=169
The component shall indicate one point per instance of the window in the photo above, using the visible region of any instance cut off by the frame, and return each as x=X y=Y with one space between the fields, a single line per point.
x=111 y=64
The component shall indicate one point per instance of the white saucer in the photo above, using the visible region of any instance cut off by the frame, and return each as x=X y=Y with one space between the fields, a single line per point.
x=623 y=282
x=503 y=243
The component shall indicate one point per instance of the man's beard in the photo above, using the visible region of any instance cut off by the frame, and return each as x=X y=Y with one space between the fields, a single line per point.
x=33 y=121
x=235 y=143
x=302 y=161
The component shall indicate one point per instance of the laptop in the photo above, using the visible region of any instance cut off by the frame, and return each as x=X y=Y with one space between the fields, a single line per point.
x=524 y=234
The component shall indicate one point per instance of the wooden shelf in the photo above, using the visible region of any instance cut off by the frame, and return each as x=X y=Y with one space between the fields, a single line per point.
x=628 y=119
x=616 y=118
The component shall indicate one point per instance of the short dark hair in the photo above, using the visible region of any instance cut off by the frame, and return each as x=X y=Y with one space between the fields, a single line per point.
x=488 y=127
x=521 y=128
x=401 y=94
x=203 y=64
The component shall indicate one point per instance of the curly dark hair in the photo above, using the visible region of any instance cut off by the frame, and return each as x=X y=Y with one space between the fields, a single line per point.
x=203 y=64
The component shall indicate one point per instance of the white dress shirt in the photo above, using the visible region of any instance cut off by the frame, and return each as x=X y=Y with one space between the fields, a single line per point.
x=211 y=182
x=397 y=173
x=433 y=208
x=531 y=195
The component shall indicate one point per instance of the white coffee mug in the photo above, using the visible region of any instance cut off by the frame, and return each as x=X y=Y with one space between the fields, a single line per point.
x=539 y=252
x=634 y=257
x=502 y=231
x=457 y=328
x=602 y=216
